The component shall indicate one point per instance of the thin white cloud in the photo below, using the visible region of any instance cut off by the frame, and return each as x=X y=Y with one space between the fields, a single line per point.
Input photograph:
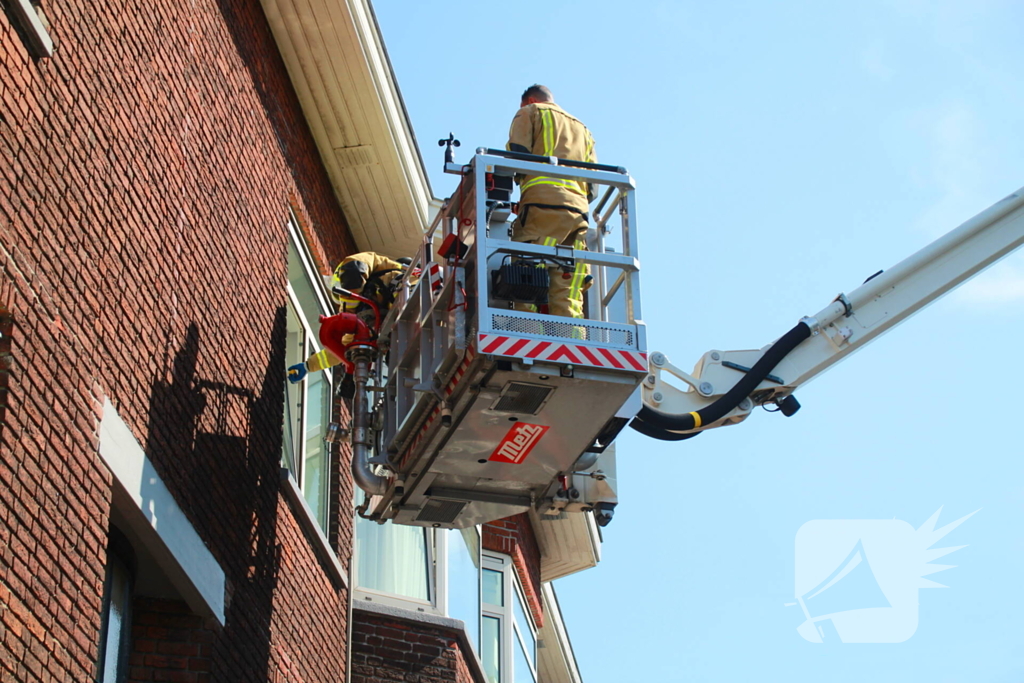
x=959 y=169
x=999 y=286
x=955 y=167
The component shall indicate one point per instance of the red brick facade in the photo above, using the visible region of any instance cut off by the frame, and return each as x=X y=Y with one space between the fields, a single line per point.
x=147 y=173
x=170 y=643
x=387 y=649
x=6 y=359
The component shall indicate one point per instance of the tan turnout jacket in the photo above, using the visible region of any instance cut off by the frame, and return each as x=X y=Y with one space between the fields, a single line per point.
x=548 y=130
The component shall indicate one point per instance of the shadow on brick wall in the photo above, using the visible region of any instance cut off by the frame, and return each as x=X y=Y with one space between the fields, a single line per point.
x=218 y=448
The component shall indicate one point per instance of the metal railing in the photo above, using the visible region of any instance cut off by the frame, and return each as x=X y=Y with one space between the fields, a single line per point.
x=432 y=324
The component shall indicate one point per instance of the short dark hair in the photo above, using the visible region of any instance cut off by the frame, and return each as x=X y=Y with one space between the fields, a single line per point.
x=541 y=92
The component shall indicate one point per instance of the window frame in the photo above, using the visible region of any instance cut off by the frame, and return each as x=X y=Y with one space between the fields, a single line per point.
x=32 y=23
x=437 y=579
x=120 y=556
x=6 y=352
x=444 y=592
x=510 y=630
x=438 y=588
x=310 y=344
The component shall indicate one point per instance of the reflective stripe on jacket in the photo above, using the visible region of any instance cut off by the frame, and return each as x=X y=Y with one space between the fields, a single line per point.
x=548 y=130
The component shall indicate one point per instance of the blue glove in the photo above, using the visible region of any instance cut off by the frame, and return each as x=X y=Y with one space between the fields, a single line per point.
x=297 y=373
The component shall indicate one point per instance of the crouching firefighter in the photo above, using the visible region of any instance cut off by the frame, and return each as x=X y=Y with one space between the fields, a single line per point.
x=368 y=276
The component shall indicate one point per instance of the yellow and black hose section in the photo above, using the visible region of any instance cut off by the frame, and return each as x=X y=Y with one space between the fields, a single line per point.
x=666 y=427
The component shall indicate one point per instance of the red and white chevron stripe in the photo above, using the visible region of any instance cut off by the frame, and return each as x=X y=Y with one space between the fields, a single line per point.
x=577 y=354
x=434 y=278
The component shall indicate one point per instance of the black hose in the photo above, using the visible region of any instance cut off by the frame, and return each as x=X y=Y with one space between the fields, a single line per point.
x=658 y=433
x=651 y=418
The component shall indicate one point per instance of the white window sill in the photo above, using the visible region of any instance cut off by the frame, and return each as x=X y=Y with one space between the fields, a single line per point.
x=153 y=514
x=410 y=604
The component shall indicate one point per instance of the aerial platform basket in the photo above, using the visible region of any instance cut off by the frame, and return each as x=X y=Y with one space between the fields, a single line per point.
x=483 y=411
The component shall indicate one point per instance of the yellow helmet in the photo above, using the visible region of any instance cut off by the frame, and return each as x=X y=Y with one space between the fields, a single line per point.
x=351 y=276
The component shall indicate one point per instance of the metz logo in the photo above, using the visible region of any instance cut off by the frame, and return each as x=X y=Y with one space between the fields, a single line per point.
x=518 y=443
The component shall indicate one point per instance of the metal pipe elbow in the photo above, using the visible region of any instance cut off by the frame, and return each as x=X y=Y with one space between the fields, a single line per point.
x=362 y=474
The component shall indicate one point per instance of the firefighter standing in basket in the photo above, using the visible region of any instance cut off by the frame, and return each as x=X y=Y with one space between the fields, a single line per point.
x=553 y=210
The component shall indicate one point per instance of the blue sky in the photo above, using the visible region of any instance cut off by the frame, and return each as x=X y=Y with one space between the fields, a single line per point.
x=783 y=152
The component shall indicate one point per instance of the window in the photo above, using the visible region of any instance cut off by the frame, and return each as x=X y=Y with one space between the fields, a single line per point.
x=462 y=588
x=508 y=648
x=6 y=361
x=30 y=20
x=308 y=404
x=115 y=629
x=444 y=572
x=426 y=570
x=397 y=562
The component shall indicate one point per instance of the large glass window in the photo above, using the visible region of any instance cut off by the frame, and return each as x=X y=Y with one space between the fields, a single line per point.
x=524 y=641
x=115 y=629
x=490 y=653
x=463 y=586
x=308 y=403
x=508 y=647
x=396 y=561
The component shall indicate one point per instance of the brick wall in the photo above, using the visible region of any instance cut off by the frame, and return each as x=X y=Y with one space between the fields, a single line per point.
x=386 y=649
x=169 y=643
x=146 y=173
x=6 y=358
x=514 y=536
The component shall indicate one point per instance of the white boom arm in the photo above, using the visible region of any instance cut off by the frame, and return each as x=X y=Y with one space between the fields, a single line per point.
x=839 y=329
